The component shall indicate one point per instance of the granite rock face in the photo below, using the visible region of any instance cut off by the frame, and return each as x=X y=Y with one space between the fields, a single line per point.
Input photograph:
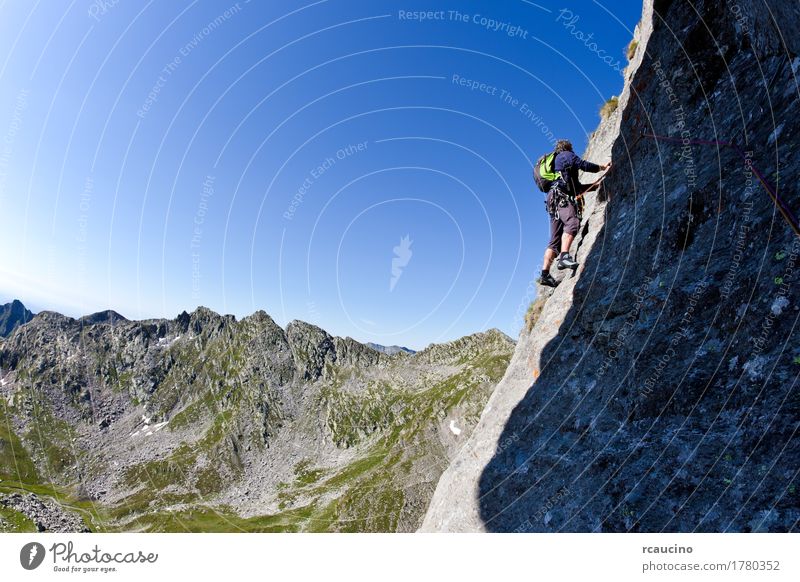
x=658 y=389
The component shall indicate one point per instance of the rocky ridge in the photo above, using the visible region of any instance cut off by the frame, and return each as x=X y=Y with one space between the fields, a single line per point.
x=206 y=423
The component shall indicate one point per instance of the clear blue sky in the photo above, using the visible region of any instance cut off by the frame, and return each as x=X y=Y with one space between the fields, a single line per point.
x=156 y=156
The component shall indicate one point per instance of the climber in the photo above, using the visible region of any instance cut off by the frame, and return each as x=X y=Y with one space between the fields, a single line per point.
x=564 y=204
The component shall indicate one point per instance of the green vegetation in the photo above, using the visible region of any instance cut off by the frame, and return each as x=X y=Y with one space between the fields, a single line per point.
x=196 y=470
x=609 y=107
x=15 y=463
x=50 y=438
x=351 y=417
x=305 y=475
x=534 y=312
x=19 y=475
x=630 y=52
x=14 y=522
x=223 y=519
x=384 y=421
x=92 y=514
x=365 y=495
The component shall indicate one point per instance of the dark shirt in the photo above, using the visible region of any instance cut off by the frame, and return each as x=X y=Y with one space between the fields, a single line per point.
x=568 y=164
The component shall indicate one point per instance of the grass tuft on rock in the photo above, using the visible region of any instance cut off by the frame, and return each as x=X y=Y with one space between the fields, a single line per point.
x=609 y=107
x=630 y=52
x=534 y=312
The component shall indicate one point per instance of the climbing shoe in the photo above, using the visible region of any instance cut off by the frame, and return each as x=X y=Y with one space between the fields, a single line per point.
x=547 y=280
x=565 y=261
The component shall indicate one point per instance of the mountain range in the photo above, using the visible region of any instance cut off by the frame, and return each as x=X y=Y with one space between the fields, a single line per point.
x=206 y=423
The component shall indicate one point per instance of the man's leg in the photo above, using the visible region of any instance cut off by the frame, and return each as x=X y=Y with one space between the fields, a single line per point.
x=566 y=242
x=556 y=231
x=549 y=256
x=569 y=217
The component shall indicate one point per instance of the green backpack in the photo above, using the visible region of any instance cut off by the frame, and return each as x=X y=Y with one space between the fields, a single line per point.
x=544 y=172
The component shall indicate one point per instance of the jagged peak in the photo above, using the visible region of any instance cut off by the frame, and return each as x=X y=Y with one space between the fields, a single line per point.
x=12 y=316
x=258 y=315
x=352 y=351
x=52 y=317
x=392 y=350
x=15 y=306
x=496 y=333
x=202 y=312
x=41 y=321
x=473 y=341
x=102 y=317
x=300 y=326
x=262 y=318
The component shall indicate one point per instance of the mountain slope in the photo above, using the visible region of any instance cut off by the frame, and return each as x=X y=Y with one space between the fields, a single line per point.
x=389 y=350
x=12 y=315
x=658 y=390
x=205 y=423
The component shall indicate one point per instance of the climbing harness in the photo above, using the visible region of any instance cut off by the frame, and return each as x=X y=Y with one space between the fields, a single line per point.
x=558 y=198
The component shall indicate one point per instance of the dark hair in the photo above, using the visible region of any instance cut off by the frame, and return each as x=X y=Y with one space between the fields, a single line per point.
x=563 y=145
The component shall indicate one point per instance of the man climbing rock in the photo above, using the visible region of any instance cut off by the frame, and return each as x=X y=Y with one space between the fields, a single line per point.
x=564 y=202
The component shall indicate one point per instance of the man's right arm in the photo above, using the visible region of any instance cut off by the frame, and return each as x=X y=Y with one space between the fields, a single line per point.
x=575 y=161
x=587 y=166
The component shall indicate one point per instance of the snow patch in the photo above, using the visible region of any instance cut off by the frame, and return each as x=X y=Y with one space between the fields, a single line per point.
x=454 y=429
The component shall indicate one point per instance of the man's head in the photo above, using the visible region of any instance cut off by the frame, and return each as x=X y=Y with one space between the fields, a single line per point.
x=563 y=145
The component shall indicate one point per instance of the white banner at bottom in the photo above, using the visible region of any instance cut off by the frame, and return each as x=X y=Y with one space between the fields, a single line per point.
x=356 y=557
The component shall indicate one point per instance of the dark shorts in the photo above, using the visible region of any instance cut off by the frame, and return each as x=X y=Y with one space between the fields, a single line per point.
x=567 y=221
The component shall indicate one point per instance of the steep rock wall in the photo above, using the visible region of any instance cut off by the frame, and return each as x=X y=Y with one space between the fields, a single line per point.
x=658 y=389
